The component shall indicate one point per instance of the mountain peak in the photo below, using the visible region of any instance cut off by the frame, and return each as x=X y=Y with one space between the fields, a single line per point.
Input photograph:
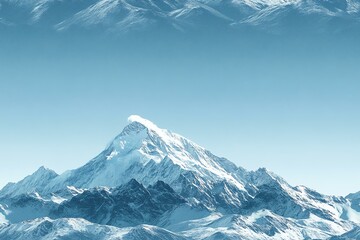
x=44 y=170
x=145 y=152
x=150 y=126
x=31 y=183
x=145 y=122
x=353 y=196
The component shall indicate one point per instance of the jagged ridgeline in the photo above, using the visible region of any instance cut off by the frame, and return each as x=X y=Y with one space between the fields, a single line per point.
x=150 y=183
x=128 y=15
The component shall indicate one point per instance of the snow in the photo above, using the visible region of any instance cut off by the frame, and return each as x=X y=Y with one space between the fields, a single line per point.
x=58 y=229
x=251 y=227
x=37 y=195
x=348 y=213
x=185 y=153
x=112 y=154
x=3 y=219
x=57 y=199
x=76 y=228
x=256 y=215
x=353 y=196
x=3 y=212
x=258 y=4
x=147 y=153
x=31 y=183
x=143 y=145
x=148 y=124
x=184 y=218
x=75 y=190
x=122 y=16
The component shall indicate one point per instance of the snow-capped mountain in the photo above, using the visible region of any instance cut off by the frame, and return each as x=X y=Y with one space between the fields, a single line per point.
x=354 y=198
x=72 y=228
x=33 y=183
x=149 y=175
x=353 y=234
x=148 y=154
x=128 y=205
x=124 y=15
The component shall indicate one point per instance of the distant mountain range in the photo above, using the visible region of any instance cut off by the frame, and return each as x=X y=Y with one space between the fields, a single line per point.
x=127 y=15
x=150 y=183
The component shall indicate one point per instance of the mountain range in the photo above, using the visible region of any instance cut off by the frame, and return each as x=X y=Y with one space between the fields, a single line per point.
x=151 y=183
x=127 y=15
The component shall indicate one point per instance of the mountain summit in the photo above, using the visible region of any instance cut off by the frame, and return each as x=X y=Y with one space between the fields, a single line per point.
x=32 y=183
x=149 y=175
x=147 y=153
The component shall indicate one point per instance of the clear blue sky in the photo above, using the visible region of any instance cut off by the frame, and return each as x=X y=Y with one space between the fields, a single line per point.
x=296 y=113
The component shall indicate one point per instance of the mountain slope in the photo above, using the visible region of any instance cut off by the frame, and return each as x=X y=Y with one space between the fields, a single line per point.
x=149 y=154
x=149 y=175
x=261 y=224
x=124 y=15
x=32 y=183
x=355 y=200
x=128 y=205
x=354 y=234
x=67 y=229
